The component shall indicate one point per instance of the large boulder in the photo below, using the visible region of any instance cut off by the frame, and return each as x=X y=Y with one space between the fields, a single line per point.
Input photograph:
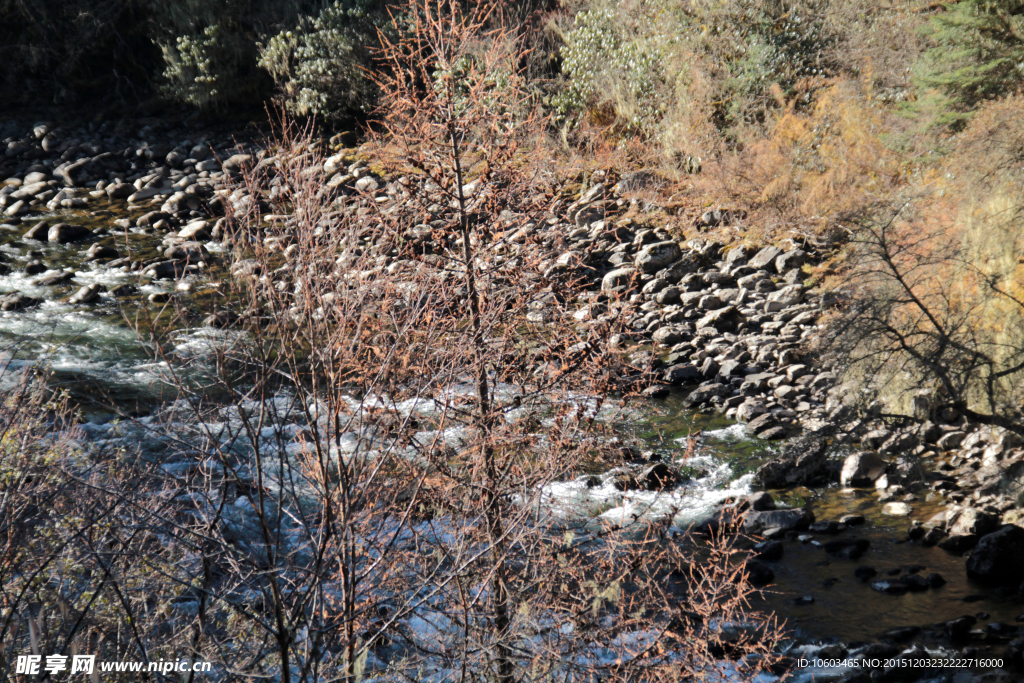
x=654 y=257
x=999 y=557
x=802 y=462
x=862 y=469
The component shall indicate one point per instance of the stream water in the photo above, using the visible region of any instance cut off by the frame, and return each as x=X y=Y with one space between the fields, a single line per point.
x=99 y=352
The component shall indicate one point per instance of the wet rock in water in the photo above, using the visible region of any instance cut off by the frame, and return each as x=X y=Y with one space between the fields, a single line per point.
x=87 y=294
x=59 y=278
x=797 y=518
x=935 y=580
x=152 y=218
x=100 y=253
x=657 y=391
x=761 y=501
x=159 y=297
x=196 y=230
x=915 y=583
x=804 y=600
x=167 y=270
x=124 y=290
x=705 y=393
x=897 y=509
x=852 y=520
x=34 y=268
x=999 y=557
x=900 y=634
x=861 y=469
x=190 y=251
x=119 y=191
x=65 y=233
x=654 y=478
x=37 y=232
x=829 y=527
x=960 y=629
x=769 y=551
x=864 y=573
x=959 y=543
x=894 y=587
x=17 y=301
x=803 y=462
x=847 y=548
x=682 y=373
x=759 y=575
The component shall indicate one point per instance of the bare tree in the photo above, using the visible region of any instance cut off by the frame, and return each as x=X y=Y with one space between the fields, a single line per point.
x=921 y=319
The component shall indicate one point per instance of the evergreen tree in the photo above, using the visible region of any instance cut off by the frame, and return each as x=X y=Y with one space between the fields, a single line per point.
x=977 y=55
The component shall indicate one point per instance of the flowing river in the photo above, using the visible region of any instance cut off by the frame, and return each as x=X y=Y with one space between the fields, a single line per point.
x=101 y=354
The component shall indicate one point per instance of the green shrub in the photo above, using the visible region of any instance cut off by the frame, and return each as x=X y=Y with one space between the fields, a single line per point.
x=210 y=47
x=645 y=58
x=977 y=55
x=321 y=66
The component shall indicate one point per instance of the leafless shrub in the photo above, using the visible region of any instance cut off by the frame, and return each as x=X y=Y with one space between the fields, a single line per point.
x=358 y=478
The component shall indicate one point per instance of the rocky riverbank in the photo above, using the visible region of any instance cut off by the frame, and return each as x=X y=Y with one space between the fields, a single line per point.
x=731 y=323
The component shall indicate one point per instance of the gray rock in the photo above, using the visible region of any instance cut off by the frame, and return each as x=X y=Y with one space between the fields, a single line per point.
x=37 y=232
x=669 y=335
x=750 y=409
x=951 y=441
x=970 y=521
x=196 y=230
x=875 y=438
x=791 y=259
x=87 y=294
x=682 y=373
x=236 y=163
x=657 y=477
x=166 y=270
x=759 y=520
x=199 y=152
x=999 y=557
x=100 y=253
x=17 y=301
x=788 y=296
x=17 y=208
x=723 y=319
x=765 y=259
x=847 y=548
x=620 y=277
x=655 y=257
x=802 y=462
x=65 y=233
x=367 y=184
x=119 y=191
x=59 y=277
x=706 y=393
x=862 y=469
x=667 y=296
x=78 y=173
